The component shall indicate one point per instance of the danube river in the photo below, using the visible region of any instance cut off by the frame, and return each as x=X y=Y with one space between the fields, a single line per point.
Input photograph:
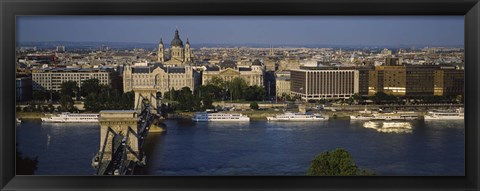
x=258 y=147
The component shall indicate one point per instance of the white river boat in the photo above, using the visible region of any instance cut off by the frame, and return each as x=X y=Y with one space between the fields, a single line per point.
x=298 y=117
x=219 y=117
x=72 y=118
x=458 y=114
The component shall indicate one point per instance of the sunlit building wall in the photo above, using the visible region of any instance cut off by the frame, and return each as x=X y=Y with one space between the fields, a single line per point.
x=324 y=84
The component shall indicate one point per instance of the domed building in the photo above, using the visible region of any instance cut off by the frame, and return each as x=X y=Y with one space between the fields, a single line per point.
x=179 y=54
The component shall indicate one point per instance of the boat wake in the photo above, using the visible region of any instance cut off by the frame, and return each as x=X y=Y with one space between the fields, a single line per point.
x=389 y=127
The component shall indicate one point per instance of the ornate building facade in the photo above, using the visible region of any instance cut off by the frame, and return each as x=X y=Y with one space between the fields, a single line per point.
x=158 y=76
x=173 y=71
x=228 y=70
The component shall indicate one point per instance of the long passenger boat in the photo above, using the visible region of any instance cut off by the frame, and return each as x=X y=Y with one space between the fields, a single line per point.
x=298 y=117
x=223 y=117
x=458 y=114
x=67 y=117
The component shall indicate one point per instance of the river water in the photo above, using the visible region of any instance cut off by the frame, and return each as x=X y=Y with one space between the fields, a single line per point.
x=258 y=147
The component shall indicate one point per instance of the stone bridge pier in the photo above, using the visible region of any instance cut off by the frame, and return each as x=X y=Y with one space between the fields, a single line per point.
x=114 y=123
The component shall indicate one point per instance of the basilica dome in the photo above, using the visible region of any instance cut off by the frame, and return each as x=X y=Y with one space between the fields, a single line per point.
x=176 y=40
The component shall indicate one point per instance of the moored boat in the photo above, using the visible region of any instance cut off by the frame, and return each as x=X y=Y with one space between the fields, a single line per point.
x=67 y=117
x=220 y=117
x=361 y=117
x=395 y=116
x=298 y=117
x=458 y=114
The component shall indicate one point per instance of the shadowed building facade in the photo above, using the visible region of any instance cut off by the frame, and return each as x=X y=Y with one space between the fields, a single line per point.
x=416 y=80
x=449 y=82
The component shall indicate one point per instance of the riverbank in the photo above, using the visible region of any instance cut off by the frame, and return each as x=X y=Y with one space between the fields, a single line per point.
x=32 y=115
x=256 y=115
x=261 y=115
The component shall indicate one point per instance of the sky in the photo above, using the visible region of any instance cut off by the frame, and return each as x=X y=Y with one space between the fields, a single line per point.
x=273 y=30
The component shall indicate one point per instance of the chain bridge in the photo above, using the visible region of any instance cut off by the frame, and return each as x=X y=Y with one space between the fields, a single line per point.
x=123 y=134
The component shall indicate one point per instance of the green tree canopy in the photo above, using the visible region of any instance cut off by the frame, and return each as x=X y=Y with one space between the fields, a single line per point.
x=254 y=93
x=254 y=105
x=69 y=88
x=338 y=162
x=217 y=81
x=40 y=95
x=66 y=103
x=25 y=165
x=90 y=86
x=237 y=87
x=381 y=98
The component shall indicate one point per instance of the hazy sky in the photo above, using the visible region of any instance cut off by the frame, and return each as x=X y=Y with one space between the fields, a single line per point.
x=296 y=30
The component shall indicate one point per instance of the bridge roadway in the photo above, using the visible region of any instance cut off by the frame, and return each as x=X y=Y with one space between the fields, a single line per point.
x=120 y=163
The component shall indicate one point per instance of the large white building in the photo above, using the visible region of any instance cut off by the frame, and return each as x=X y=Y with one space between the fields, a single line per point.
x=159 y=77
x=171 y=71
x=319 y=84
x=52 y=78
x=228 y=70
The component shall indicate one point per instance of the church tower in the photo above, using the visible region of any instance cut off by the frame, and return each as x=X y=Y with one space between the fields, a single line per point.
x=161 y=52
x=176 y=49
x=188 y=52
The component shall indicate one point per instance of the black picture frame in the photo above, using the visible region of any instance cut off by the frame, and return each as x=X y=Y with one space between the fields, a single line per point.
x=10 y=9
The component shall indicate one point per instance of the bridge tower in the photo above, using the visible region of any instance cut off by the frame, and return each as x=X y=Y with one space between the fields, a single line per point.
x=123 y=134
x=118 y=128
x=149 y=94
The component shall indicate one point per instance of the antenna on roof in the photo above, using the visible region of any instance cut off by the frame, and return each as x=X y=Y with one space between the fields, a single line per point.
x=55 y=58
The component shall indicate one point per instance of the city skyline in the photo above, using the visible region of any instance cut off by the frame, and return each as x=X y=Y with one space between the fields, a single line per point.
x=291 y=30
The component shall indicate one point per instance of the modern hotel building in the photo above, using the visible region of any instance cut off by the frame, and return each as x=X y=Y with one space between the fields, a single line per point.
x=328 y=83
x=52 y=78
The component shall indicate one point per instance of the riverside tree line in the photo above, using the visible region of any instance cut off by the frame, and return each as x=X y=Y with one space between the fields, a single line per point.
x=98 y=96
x=216 y=89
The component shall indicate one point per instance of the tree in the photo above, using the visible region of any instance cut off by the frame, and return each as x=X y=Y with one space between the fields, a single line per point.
x=25 y=165
x=254 y=93
x=91 y=103
x=381 y=97
x=90 y=86
x=69 y=88
x=216 y=81
x=66 y=103
x=237 y=88
x=205 y=95
x=51 y=108
x=336 y=163
x=254 y=105
x=357 y=98
x=40 y=95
